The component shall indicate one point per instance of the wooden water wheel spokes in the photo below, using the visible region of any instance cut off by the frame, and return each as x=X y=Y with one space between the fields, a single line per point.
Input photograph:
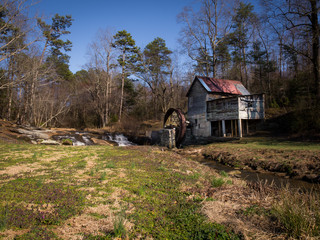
x=174 y=118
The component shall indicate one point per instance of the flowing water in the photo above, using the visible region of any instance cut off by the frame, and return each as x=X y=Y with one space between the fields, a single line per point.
x=120 y=139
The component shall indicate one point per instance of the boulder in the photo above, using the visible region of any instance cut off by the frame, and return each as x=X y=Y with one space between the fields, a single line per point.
x=49 y=142
x=102 y=142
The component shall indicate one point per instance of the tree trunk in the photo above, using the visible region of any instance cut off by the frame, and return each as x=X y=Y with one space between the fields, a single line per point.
x=315 y=48
x=122 y=87
x=10 y=92
x=245 y=68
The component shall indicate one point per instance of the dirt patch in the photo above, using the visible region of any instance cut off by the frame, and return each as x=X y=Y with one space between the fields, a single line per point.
x=11 y=234
x=74 y=228
x=96 y=220
x=22 y=168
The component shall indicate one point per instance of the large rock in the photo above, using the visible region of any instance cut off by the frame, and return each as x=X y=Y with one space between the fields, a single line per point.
x=33 y=134
x=49 y=142
x=102 y=142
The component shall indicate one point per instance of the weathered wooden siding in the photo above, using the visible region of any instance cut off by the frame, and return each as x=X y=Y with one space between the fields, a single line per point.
x=197 y=100
x=239 y=107
x=222 y=109
x=251 y=107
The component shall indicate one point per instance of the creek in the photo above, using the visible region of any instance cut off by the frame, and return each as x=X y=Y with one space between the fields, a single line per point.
x=268 y=178
x=85 y=138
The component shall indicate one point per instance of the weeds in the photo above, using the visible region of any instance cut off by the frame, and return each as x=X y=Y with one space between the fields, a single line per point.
x=224 y=174
x=119 y=229
x=31 y=203
x=81 y=165
x=217 y=182
x=110 y=165
x=103 y=176
x=298 y=213
x=254 y=210
x=195 y=176
x=38 y=232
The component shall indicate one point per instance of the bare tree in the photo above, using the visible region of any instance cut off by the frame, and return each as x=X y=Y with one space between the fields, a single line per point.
x=102 y=59
x=204 y=30
x=45 y=95
x=14 y=27
x=300 y=19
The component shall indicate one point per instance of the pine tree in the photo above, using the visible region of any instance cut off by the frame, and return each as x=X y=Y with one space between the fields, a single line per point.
x=127 y=46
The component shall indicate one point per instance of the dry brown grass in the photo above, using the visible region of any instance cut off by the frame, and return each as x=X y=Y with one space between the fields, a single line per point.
x=229 y=203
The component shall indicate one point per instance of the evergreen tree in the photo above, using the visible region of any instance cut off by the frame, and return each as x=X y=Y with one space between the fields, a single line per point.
x=156 y=71
x=53 y=34
x=240 y=37
x=124 y=42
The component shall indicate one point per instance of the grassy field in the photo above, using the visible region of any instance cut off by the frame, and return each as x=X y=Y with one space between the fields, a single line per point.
x=61 y=192
x=270 y=143
x=138 y=192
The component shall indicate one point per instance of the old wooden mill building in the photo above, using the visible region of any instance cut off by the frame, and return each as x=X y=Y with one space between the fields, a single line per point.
x=222 y=108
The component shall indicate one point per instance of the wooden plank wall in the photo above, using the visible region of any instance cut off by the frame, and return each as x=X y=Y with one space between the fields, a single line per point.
x=238 y=107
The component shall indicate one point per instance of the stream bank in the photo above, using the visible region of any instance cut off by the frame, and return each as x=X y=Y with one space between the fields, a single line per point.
x=295 y=164
x=277 y=167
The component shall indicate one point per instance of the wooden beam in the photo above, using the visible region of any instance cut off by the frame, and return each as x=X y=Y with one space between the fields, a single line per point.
x=231 y=128
x=236 y=128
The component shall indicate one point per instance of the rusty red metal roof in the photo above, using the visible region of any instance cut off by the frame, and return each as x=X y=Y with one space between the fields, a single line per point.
x=224 y=86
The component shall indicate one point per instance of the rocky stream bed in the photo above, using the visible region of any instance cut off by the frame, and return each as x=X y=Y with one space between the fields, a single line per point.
x=10 y=132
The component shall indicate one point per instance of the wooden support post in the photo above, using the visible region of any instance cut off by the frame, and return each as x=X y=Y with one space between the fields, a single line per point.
x=236 y=128
x=219 y=126
x=223 y=128
x=247 y=126
x=240 y=128
x=231 y=128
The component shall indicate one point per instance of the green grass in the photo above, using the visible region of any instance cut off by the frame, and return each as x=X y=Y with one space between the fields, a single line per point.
x=270 y=143
x=217 y=182
x=103 y=176
x=146 y=193
x=224 y=174
x=28 y=202
x=81 y=164
x=37 y=232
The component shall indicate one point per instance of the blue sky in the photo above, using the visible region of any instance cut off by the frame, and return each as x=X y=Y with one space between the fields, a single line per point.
x=144 y=19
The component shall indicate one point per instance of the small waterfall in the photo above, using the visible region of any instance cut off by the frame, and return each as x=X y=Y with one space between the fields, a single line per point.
x=120 y=139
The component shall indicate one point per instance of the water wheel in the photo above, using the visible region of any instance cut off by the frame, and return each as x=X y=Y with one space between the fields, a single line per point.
x=174 y=118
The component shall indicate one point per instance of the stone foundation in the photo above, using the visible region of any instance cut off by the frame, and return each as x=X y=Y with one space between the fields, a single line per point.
x=164 y=137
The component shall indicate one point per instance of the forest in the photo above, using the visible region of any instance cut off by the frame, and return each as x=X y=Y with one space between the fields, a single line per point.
x=271 y=46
